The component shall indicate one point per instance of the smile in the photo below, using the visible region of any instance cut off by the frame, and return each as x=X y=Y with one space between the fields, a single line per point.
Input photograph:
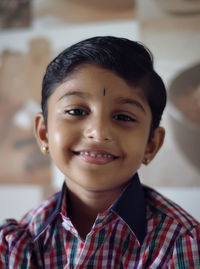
x=95 y=157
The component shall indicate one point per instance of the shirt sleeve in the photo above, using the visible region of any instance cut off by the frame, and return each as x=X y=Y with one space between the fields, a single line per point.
x=186 y=253
x=5 y=229
x=15 y=245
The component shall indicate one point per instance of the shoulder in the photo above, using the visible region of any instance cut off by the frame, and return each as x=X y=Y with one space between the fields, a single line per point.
x=20 y=233
x=36 y=217
x=162 y=207
x=172 y=231
x=32 y=220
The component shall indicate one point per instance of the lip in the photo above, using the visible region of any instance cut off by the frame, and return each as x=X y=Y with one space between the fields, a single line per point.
x=99 y=157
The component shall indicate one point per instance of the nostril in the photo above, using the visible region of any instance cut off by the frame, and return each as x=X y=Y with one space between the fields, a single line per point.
x=99 y=138
x=98 y=135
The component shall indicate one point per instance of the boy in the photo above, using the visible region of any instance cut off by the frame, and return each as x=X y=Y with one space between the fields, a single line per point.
x=102 y=103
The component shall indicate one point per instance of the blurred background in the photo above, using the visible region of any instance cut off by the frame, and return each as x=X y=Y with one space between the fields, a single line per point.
x=34 y=32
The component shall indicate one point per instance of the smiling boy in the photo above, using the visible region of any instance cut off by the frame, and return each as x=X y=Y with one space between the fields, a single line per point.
x=102 y=103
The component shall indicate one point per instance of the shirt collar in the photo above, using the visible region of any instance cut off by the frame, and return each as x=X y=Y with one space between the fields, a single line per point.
x=61 y=202
x=130 y=206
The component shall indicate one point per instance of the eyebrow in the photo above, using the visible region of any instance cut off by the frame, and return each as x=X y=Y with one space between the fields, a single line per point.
x=130 y=101
x=74 y=93
x=119 y=100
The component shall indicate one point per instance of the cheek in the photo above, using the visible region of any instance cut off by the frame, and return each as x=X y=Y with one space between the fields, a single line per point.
x=62 y=137
x=56 y=137
x=59 y=147
x=135 y=145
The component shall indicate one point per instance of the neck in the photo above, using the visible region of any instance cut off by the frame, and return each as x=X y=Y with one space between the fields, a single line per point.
x=85 y=205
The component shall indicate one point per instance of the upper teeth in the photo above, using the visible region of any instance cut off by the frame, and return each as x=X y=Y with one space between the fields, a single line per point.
x=93 y=154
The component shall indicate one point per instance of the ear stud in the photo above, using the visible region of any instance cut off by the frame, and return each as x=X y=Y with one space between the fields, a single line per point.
x=146 y=161
x=45 y=150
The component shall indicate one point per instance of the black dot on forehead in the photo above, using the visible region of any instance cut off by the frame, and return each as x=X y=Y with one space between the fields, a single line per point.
x=104 y=92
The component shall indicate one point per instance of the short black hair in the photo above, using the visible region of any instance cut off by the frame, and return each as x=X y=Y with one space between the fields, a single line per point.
x=130 y=60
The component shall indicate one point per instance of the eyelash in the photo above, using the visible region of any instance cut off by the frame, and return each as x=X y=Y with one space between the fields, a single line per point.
x=123 y=117
x=77 y=112
x=84 y=113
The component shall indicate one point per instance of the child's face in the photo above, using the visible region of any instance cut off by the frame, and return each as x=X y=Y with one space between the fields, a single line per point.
x=98 y=129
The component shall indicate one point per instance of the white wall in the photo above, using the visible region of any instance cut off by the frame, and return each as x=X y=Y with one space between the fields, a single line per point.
x=16 y=200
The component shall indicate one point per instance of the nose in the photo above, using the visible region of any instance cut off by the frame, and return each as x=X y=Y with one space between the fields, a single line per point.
x=99 y=130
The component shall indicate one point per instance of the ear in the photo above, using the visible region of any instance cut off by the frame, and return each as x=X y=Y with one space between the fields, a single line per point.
x=154 y=144
x=41 y=131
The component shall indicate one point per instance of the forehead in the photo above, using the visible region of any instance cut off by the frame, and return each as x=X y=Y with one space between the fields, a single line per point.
x=90 y=77
x=98 y=87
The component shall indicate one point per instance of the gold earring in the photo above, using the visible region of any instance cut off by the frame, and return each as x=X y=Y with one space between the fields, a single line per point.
x=45 y=150
x=146 y=161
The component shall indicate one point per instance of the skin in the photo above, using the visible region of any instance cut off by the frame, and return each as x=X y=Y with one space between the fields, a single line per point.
x=98 y=130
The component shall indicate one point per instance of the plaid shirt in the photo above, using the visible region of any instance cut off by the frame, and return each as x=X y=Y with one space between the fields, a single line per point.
x=142 y=229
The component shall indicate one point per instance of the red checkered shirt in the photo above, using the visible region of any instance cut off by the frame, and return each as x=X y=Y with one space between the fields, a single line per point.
x=142 y=229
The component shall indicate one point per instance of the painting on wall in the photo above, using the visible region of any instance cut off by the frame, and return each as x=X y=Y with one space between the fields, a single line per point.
x=87 y=11
x=20 y=87
x=177 y=23
x=15 y=13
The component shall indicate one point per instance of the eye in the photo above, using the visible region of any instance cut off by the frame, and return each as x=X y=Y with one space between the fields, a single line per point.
x=76 y=112
x=123 y=117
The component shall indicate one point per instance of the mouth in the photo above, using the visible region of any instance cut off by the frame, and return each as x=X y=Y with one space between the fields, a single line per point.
x=95 y=157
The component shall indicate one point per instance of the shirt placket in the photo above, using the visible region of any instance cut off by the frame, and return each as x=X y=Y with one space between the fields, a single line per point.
x=91 y=243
